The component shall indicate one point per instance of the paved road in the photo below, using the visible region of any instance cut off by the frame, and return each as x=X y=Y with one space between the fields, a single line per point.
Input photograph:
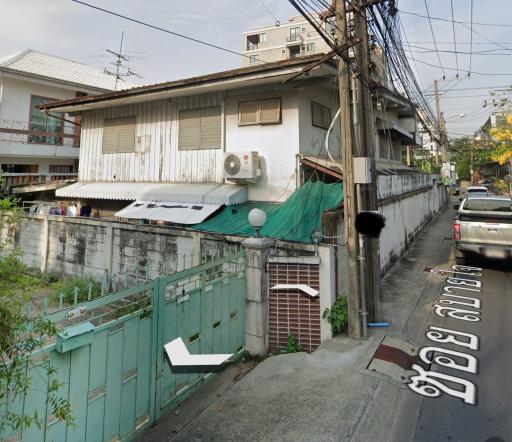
x=490 y=419
x=331 y=395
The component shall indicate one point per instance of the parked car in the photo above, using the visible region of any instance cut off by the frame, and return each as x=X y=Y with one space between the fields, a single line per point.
x=483 y=226
x=472 y=191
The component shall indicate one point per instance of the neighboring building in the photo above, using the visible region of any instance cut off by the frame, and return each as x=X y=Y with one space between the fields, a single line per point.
x=190 y=140
x=298 y=38
x=295 y=38
x=35 y=147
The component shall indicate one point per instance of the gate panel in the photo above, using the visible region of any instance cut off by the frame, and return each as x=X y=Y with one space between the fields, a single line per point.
x=291 y=310
x=203 y=306
x=117 y=378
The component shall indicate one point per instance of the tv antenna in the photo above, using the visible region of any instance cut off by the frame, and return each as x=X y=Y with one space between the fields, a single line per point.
x=121 y=63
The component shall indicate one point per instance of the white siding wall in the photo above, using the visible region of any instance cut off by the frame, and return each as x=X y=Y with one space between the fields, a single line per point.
x=157 y=123
x=157 y=157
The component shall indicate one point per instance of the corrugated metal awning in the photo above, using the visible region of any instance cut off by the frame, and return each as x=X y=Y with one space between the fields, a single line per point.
x=227 y=194
x=170 y=211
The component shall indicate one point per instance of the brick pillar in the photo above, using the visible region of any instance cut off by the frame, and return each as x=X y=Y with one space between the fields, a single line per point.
x=256 y=295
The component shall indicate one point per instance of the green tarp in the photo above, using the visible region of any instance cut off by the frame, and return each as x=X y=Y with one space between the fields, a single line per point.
x=294 y=220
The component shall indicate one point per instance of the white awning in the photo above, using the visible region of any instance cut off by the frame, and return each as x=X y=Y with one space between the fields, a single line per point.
x=227 y=194
x=174 y=212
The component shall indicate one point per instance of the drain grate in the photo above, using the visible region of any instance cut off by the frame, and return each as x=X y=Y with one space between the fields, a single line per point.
x=398 y=357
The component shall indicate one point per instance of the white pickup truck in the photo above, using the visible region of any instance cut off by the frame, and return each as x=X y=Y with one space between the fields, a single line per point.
x=483 y=226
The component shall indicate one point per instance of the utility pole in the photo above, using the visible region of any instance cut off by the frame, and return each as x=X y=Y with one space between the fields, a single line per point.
x=349 y=194
x=440 y=124
x=365 y=132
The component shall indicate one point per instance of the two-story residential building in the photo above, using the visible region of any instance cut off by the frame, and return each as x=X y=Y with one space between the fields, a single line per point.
x=34 y=146
x=254 y=133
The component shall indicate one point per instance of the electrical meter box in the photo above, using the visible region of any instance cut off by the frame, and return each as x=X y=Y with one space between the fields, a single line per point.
x=362 y=170
x=74 y=337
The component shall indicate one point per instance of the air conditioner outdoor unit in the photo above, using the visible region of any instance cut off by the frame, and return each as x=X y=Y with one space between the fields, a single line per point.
x=241 y=165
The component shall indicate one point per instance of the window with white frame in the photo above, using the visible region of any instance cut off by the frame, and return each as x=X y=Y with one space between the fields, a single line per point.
x=294 y=34
x=119 y=135
x=320 y=115
x=200 y=128
x=267 y=111
x=310 y=47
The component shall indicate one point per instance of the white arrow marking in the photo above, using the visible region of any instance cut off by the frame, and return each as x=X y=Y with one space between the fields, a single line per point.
x=181 y=360
x=302 y=287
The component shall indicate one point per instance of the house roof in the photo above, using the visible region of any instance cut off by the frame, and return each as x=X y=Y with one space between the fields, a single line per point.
x=254 y=75
x=50 y=67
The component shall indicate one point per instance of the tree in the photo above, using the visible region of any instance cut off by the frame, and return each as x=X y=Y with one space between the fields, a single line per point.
x=20 y=336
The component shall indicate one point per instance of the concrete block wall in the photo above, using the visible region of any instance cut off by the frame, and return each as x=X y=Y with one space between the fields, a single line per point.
x=76 y=248
x=124 y=252
x=405 y=218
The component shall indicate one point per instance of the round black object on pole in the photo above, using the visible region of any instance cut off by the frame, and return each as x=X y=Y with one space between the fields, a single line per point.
x=370 y=223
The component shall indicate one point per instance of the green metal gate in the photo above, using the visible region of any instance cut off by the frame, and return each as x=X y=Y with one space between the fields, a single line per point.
x=110 y=358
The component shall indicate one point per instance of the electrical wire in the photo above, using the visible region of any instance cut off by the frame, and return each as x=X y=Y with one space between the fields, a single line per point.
x=456 y=21
x=278 y=23
x=158 y=28
x=455 y=39
x=471 y=40
x=433 y=36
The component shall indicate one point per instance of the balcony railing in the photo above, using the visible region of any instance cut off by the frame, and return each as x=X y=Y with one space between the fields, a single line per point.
x=66 y=134
x=9 y=180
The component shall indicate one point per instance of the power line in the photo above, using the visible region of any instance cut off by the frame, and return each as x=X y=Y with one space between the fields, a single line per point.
x=425 y=50
x=456 y=21
x=496 y=87
x=455 y=40
x=278 y=23
x=158 y=28
x=491 y=74
x=471 y=39
x=433 y=36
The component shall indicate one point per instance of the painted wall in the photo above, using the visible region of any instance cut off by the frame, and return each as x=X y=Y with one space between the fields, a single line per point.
x=408 y=202
x=15 y=113
x=277 y=144
x=312 y=138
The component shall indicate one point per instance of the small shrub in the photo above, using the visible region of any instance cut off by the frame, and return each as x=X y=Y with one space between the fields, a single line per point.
x=501 y=186
x=292 y=345
x=337 y=315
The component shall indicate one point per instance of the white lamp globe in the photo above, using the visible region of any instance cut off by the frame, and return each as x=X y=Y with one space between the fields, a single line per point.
x=257 y=218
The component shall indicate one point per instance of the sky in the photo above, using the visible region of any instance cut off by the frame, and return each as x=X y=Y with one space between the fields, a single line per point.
x=70 y=30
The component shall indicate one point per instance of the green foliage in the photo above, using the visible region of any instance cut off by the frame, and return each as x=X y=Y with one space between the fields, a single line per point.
x=501 y=186
x=81 y=286
x=20 y=337
x=292 y=345
x=337 y=315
